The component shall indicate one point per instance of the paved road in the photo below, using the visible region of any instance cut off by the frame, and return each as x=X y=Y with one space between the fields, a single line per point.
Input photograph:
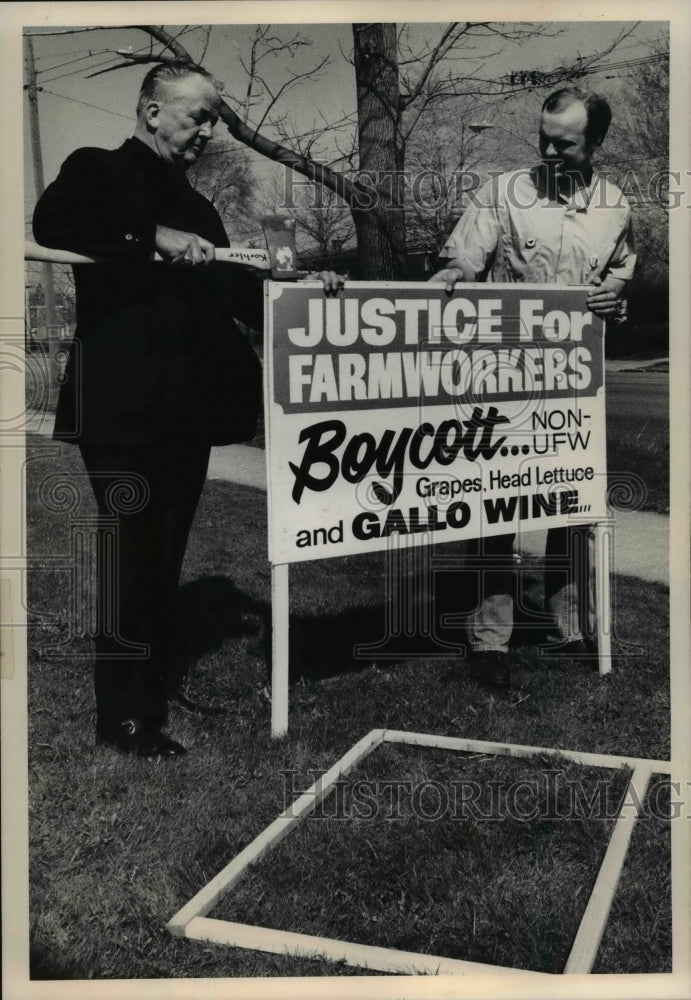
x=638 y=394
x=641 y=545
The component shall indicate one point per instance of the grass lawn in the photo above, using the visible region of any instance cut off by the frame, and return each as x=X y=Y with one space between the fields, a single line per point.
x=465 y=857
x=118 y=845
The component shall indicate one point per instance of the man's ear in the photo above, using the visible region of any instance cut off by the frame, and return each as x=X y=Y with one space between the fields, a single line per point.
x=152 y=114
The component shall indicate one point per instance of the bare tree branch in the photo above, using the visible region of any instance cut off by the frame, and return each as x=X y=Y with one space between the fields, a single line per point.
x=207 y=39
x=449 y=37
x=66 y=31
x=132 y=58
x=260 y=143
x=287 y=85
x=396 y=85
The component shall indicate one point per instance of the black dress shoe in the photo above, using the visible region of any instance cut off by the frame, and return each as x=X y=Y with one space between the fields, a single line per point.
x=138 y=737
x=491 y=668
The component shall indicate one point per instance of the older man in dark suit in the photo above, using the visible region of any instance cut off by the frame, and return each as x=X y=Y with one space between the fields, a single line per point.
x=158 y=373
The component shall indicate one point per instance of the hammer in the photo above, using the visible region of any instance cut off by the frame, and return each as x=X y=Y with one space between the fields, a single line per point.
x=279 y=258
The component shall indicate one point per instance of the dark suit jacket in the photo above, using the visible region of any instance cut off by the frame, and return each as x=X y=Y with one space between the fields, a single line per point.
x=157 y=356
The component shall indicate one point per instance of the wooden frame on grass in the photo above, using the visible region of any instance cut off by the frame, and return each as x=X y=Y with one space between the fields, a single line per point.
x=191 y=921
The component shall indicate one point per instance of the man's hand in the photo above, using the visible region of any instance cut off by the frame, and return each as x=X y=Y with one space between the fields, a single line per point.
x=450 y=275
x=606 y=301
x=332 y=282
x=186 y=249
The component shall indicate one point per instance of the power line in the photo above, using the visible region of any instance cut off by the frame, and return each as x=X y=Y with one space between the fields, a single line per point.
x=540 y=78
x=625 y=64
x=82 y=69
x=72 y=52
x=114 y=58
x=74 y=100
x=88 y=55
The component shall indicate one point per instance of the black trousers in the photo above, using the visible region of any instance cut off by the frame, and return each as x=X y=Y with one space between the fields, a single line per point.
x=146 y=498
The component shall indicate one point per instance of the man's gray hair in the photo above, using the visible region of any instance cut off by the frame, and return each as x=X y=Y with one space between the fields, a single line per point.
x=167 y=73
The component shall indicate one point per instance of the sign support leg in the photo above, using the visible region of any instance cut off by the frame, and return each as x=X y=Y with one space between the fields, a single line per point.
x=280 y=609
x=603 y=595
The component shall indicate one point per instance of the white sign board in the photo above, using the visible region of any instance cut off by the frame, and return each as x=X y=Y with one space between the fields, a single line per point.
x=398 y=408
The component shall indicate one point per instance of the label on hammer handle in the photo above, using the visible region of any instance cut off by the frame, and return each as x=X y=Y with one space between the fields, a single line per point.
x=244 y=255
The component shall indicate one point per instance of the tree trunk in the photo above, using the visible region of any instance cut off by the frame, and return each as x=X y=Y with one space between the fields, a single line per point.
x=378 y=209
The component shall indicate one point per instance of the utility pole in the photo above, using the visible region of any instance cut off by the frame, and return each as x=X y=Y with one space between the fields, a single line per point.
x=50 y=313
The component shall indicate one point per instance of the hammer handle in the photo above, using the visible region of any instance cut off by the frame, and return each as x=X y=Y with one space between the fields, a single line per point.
x=232 y=255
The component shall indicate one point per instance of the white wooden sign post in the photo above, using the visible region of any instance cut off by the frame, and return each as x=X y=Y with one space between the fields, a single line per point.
x=398 y=409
